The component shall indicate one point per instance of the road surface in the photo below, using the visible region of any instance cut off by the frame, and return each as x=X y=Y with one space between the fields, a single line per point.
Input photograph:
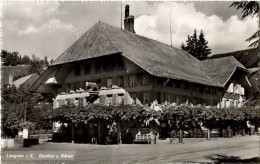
x=236 y=149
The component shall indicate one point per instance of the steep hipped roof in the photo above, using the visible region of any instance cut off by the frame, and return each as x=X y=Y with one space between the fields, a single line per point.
x=156 y=58
x=221 y=69
x=247 y=57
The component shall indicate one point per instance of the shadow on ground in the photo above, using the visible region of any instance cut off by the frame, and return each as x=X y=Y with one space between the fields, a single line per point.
x=231 y=159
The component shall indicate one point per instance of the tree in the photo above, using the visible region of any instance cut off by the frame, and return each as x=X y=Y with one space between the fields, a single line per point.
x=20 y=107
x=249 y=8
x=36 y=67
x=46 y=63
x=204 y=50
x=51 y=61
x=10 y=58
x=26 y=60
x=197 y=46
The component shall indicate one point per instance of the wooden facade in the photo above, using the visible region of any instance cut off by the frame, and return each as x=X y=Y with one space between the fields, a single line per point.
x=117 y=70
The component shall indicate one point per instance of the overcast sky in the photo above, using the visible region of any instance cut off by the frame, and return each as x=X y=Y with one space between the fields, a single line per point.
x=48 y=29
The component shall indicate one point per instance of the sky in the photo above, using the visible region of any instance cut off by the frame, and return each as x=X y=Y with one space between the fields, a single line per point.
x=49 y=28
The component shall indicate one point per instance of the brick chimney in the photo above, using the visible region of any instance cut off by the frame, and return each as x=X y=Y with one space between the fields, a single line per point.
x=129 y=20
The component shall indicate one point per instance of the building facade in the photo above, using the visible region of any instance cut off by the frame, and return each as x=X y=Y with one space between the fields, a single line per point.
x=147 y=69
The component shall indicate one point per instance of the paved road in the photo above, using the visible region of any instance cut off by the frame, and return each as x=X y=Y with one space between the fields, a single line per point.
x=237 y=149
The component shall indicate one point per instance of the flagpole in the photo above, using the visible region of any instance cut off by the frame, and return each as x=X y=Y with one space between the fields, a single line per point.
x=121 y=15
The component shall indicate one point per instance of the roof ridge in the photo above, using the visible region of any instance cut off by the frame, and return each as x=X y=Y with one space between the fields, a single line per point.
x=234 y=51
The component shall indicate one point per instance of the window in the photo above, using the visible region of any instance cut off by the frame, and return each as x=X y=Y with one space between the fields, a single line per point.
x=185 y=86
x=133 y=96
x=169 y=97
x=194 y=87
x=120 y=81
x=201 y=88
x=146 y=97
x=132 y=80
x=107 y=65
x=214 y=90
x=83 y=85
x=169 y=83
x=98 y=81
x=120 y=63
x=109 y=82
x=72 y=86
x=77 y=70
x=160 y=81
x=146 y=80
x=177 y=84
x=113 y=64
x=97 y=67
x=87 y=69
x=77 y=85
x=67 y=88
x=207 y=89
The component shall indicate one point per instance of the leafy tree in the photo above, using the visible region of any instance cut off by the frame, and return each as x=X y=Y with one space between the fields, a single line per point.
x=26 y=60
x=4 y=53
x=10 y=58
x=249 y=8
x=197 y=46
x=36 y=67
x=20 y=108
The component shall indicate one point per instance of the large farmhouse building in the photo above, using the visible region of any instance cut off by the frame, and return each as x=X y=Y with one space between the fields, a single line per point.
x=147 y=69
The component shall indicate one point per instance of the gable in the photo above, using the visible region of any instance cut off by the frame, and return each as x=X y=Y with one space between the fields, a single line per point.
x=221 y=69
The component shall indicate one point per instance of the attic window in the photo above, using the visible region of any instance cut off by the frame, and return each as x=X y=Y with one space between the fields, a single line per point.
x=201 y=88
x=97 y=67
x=77 y=70
x=177 y=84
x=87 y=69
x=185 y=86
x=146 y=79
x=120 y=63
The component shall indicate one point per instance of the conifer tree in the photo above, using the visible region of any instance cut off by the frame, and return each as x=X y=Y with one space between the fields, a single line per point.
x=197 y=46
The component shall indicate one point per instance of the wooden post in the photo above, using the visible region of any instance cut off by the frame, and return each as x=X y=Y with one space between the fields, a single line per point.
x=72 y=132
x=99 y=132
x=181 y=137
x=229 y=132
x=208 y=134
